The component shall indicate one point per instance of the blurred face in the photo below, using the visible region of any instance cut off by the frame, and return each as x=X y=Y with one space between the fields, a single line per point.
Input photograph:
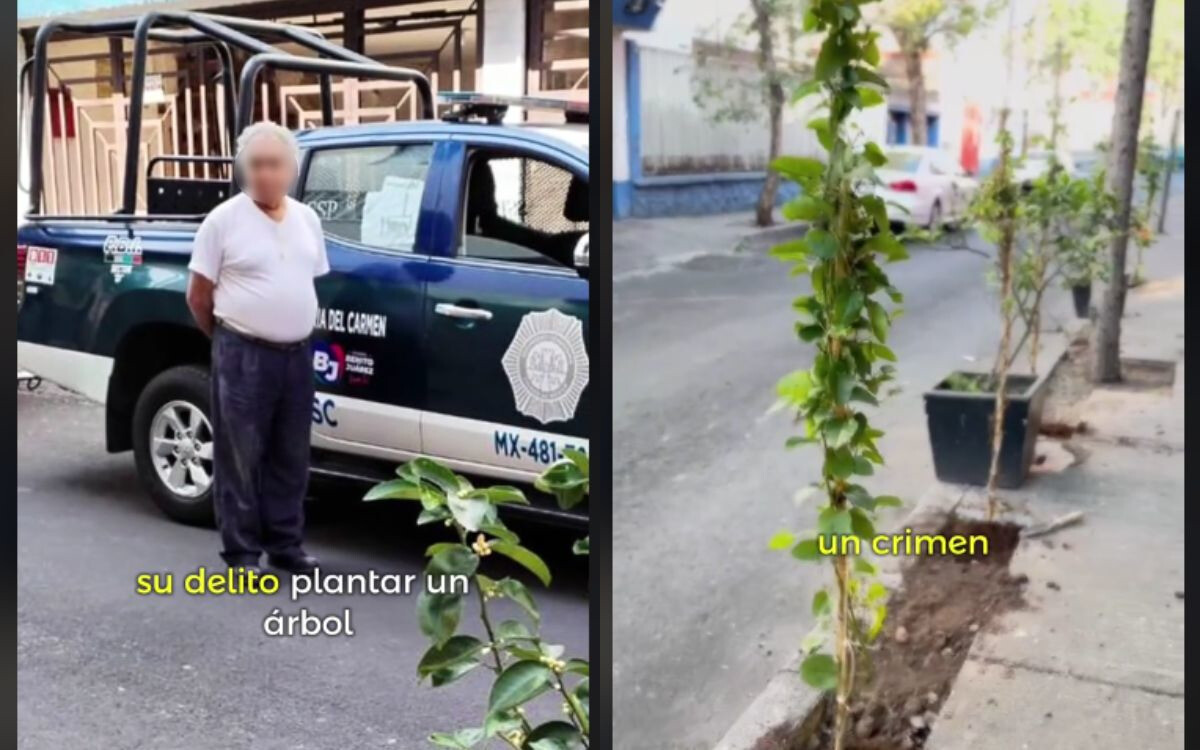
x=268 y=169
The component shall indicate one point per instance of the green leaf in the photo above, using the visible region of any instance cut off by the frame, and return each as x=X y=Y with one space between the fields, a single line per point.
x=433 y=515
x=886 y=244
x=796 y=440
x=806 y=89
x=820 y=671
x=820 y=603
x=879 y=320
x=452 y=559
x=835 y=53
x=860 y=393
x=866 y=567
x=866 y=75
x=869 y=97
x=821 y=243
x=504 y=722
x=577 y=666
x=471 y=513
x=553 y=735
x=863 y=467
x=428 y=470
x=500 y=531
x=567 y=480
x=460 y=740
x=438 y=615
x=580 y=459
x=794 y=387
x=861 y=524
x=403 y=489
x=583 y=694
x=798 y=167
x=810 y=332
x=782 y=540
x=794 y=251
x=848 y=306
x=840 y=463
x=840 y=431
x=834 y=521
x=877 y=620
x=526 y=558
x=459 y=649
x=451 y=674
x=512 y=630
x=888 y=501
x=843 y=384
x=859 y=497
x=806 y=208
x=581 y=546
x=807 y=549
x=882 y=352
x=498 y=495
x=521 y=682
x=516 y=591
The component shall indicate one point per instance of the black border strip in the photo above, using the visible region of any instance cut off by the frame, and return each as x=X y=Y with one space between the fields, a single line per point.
x=600 y=315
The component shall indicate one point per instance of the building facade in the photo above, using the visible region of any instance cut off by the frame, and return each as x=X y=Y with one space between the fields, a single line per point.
x=513 y=47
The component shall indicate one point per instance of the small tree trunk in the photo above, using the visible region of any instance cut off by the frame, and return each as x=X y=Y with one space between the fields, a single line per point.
x=1004 y=250
x=1127 y=115
x=1166 y=195
x=764 y=214
x=915 y=71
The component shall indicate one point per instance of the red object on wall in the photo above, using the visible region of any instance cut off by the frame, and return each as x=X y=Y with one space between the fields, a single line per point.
x=60 y=99
x=972 y=124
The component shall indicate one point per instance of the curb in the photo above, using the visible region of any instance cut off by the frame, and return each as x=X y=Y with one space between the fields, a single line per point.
x=787 y=701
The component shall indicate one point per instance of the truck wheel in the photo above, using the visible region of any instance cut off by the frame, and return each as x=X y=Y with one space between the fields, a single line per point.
x=173 y=444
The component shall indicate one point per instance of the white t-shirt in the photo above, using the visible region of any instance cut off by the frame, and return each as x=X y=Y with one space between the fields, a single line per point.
x=263 y=269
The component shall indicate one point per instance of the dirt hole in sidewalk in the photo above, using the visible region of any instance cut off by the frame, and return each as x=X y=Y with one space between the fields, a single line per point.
x=932 y=621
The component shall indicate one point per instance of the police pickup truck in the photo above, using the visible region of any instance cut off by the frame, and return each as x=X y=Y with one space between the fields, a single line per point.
x=453 y=324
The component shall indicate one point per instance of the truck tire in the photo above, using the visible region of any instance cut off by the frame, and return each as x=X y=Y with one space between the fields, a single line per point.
x=172 y=444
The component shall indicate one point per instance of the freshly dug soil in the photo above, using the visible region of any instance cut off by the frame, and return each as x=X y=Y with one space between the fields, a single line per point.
x=932 y=621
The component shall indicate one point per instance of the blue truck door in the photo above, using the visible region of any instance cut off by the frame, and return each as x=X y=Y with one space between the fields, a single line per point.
x=507 y=313
x=367 y=338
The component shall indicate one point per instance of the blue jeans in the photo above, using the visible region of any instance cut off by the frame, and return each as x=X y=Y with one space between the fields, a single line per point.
x=262 y=421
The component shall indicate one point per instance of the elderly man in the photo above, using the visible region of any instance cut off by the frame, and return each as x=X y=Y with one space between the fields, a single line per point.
x=251 y=290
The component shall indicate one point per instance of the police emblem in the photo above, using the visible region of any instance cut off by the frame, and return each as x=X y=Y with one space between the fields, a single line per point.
x=547 y=366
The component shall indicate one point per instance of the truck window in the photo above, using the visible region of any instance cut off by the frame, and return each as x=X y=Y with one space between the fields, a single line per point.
x=369 y=195
x=522 y=209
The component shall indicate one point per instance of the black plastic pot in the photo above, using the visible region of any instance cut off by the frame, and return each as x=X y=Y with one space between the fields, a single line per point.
x=960 y=429
x=1082 y=295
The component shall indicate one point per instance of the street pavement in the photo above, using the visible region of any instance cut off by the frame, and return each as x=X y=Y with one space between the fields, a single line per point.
x=705 y=614
x=100 y=667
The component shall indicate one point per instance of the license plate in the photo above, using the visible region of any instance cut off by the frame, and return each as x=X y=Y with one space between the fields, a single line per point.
x=39 y=265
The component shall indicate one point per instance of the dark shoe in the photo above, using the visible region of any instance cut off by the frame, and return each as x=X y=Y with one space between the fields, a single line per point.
x=297 y=564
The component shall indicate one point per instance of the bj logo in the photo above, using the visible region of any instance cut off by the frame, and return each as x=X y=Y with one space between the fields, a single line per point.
x=329 y=362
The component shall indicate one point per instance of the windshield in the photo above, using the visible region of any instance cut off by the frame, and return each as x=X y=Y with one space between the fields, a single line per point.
x=900 y=161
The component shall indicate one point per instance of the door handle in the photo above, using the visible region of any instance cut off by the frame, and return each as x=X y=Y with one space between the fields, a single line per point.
x=465 y=313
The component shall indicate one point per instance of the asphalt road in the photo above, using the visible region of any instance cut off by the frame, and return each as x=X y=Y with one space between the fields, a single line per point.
x=705 y=613
x=100 y=667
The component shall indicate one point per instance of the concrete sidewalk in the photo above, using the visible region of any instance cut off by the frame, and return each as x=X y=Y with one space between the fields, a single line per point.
x=1095 y=659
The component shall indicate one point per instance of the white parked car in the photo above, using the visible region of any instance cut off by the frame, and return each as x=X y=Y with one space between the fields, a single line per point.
x=924 y=186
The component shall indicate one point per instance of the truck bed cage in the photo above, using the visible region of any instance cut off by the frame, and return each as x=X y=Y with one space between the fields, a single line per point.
x=222 y=33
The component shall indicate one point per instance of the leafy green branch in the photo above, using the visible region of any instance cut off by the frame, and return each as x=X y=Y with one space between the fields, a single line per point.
x=524 y=665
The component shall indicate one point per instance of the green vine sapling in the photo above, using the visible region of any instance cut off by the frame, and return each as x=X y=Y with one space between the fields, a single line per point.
x=524 y=666
x=846 y=320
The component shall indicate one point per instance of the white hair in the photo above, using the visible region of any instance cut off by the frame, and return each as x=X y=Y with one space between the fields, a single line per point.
x=267 y=129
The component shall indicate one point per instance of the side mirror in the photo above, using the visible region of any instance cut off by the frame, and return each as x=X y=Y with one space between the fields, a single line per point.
x=581 y=255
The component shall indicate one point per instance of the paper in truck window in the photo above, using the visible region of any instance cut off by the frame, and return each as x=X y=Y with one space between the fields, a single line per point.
x=389 y=217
